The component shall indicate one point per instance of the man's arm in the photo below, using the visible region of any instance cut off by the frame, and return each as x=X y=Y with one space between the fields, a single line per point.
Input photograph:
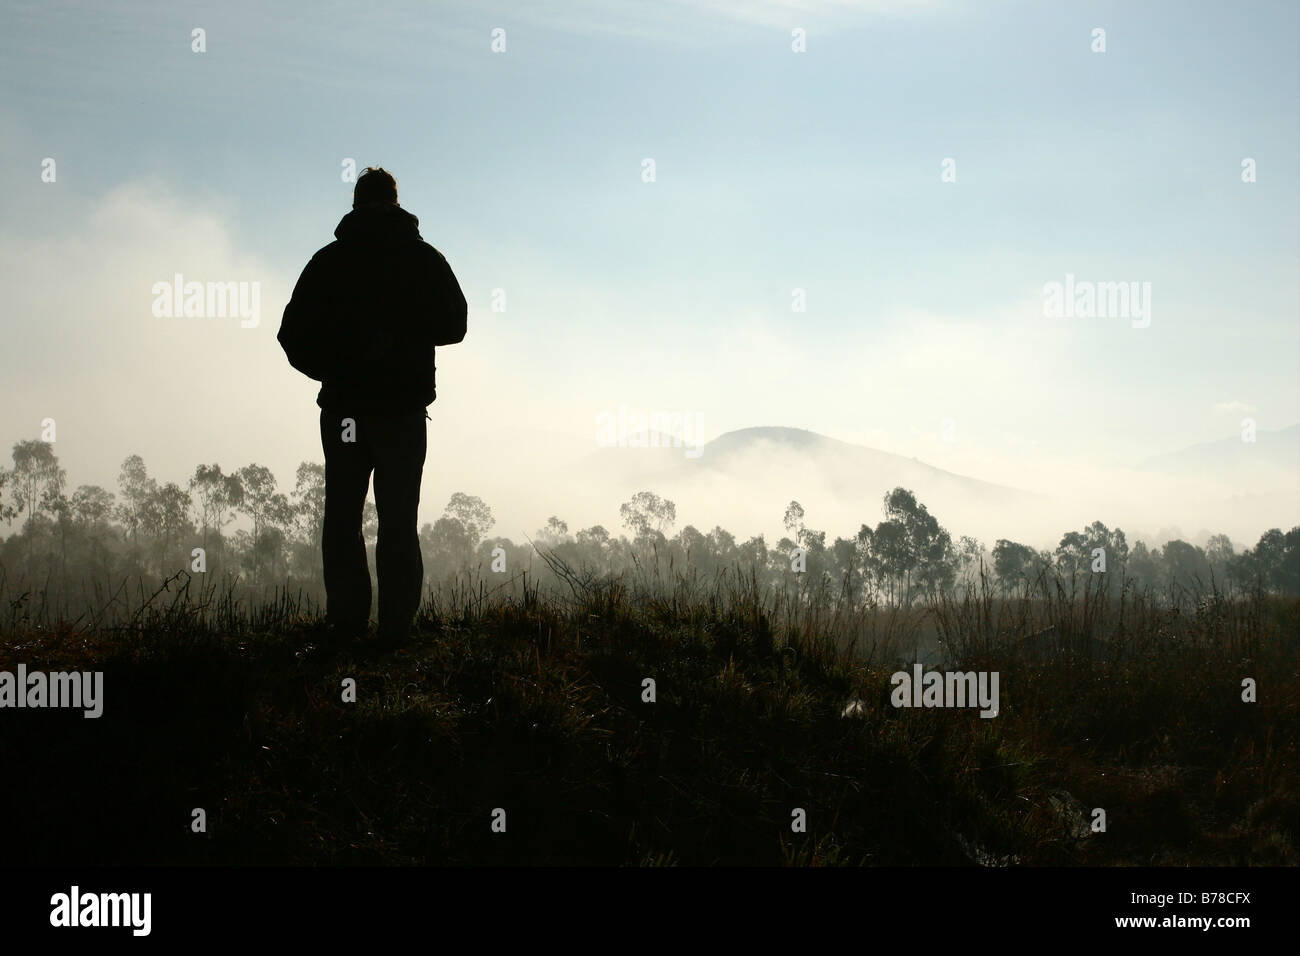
x=452 y=310
x=305 y=327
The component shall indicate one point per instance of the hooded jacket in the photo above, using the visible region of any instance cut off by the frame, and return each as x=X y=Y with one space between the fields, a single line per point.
x=369 y=309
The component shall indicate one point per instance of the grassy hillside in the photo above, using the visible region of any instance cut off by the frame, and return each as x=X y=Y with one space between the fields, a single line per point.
x=533 y=704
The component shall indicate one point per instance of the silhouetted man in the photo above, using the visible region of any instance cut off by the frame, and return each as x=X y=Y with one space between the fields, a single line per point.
x=363 y=321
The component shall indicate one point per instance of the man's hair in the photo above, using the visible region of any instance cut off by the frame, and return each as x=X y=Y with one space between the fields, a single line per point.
x=375 y=184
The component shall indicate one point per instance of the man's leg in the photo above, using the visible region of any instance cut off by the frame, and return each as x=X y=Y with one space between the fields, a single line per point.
x=343 y=548
x=400 y=445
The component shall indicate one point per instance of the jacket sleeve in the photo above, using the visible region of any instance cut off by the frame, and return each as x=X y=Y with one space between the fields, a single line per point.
x=451 y=309
x=304 y=330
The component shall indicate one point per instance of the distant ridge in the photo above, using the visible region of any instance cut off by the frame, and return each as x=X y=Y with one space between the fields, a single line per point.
x=1279 y=448
x=1231 y=488
x=858 y=459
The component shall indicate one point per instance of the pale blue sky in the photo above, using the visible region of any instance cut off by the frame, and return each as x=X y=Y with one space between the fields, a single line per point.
x=775 y=170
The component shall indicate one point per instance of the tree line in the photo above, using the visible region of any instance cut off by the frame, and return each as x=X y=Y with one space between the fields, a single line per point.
x=147 y=528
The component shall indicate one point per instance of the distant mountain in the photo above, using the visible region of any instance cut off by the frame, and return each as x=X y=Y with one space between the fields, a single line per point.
x=744 y=479
x=845 y=467
x=1234 y=460
x=843 y=464
x=759 y=470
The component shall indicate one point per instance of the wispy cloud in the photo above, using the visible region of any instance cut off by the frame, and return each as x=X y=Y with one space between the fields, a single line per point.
x=689 y=22
x=789 y=13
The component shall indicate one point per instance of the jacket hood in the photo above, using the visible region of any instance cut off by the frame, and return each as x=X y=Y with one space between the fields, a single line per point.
x=378 y=222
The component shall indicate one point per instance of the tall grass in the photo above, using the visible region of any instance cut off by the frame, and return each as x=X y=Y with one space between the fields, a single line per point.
x=530 y=696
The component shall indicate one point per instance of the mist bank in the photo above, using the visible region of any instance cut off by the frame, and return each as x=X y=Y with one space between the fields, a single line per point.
x=743 y=480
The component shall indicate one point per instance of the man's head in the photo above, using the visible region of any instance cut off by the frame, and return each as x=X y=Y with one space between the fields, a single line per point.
x=375 y=184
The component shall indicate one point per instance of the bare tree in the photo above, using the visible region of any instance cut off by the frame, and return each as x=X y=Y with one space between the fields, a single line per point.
x=216 y=496
x=137 y=489
x=262 y=503
x=474 y=516
x=646 y=514
x=309 y=507
x=37 y=478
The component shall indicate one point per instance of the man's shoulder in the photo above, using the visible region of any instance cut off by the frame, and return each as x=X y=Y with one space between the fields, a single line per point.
x=412 y=250
x=422 y=256
x=327 y=252
x=431 y=250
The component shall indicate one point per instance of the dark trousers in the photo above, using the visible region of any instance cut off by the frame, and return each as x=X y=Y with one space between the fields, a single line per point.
x=393 y=447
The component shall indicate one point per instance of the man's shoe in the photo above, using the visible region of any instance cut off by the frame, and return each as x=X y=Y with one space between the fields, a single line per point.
x=341 y=637
x=389 y=640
